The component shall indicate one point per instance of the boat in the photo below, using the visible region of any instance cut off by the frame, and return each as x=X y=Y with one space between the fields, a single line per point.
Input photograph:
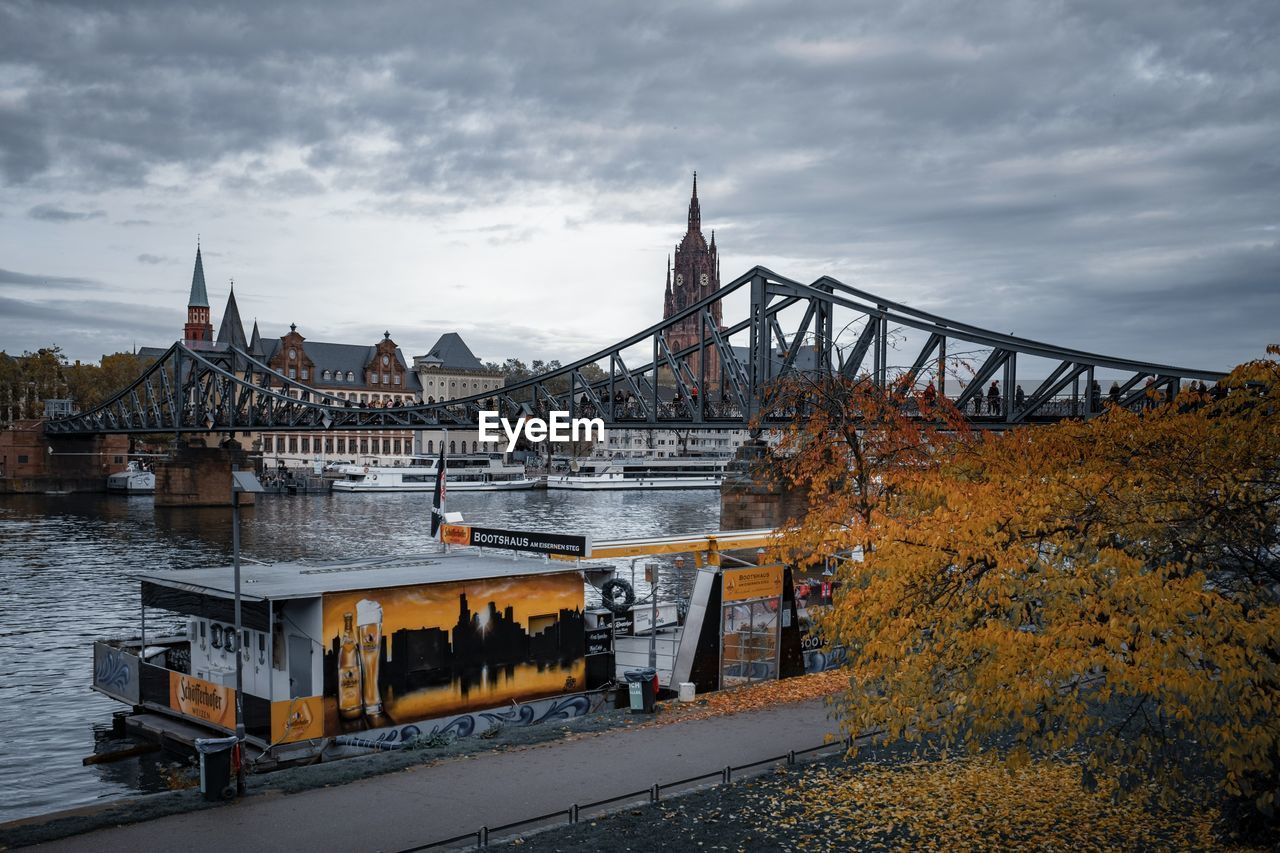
x=681 y=472
x=133 y=480
x=473 y=473
x=337 y=658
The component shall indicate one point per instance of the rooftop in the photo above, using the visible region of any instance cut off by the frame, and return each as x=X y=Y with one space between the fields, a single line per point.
x=307 y=579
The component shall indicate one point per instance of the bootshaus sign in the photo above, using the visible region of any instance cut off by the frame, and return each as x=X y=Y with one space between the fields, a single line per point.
x=517 y=540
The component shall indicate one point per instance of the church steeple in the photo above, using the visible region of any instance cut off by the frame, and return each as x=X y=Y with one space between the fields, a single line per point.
x=231 y=330
x=198 y=327
x=199 y=297
x=695 y=211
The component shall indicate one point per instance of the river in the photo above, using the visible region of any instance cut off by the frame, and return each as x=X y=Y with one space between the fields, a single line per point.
x=67 y=570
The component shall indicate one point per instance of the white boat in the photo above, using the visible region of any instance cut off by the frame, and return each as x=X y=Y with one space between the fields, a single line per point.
x=133 y=480
x=480 y=473
x=685 y=472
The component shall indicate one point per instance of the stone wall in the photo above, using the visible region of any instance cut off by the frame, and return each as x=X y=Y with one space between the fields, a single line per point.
x=751 y=497
x=77 y=464
x=201 y=476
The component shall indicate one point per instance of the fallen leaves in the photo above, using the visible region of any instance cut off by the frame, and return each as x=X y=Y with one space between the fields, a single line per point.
x=754 y=697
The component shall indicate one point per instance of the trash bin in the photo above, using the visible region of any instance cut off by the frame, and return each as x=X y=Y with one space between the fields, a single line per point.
x=643 y=687
x=216 y=782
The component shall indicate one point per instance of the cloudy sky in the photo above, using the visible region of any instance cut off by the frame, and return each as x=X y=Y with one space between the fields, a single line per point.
x=1099 y=175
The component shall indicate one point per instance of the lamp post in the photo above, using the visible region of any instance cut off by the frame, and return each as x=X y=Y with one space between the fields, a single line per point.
x=241 y=481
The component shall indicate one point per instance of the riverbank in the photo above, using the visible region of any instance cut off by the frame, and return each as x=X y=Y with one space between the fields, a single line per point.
x=763 y=699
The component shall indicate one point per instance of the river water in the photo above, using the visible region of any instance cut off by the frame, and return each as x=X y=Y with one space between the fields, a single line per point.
x=67 y=577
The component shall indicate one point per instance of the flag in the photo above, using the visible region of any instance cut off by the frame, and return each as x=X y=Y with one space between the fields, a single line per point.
x=437 y=500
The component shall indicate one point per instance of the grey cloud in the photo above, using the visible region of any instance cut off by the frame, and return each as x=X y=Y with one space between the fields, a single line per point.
x=154 y=259
x=1040 y=168
x=43 y=281
x=77 y=326
x=54 y=213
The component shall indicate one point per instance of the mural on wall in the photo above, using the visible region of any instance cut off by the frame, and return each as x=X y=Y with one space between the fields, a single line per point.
x=404 y=654
x=466 y=725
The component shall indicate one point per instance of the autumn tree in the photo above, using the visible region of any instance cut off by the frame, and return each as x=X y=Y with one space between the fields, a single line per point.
x=1110 y=586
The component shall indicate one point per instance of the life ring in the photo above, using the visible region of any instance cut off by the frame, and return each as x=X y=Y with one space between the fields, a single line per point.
x=366 y=469
x=373 y=477
x=617 y=595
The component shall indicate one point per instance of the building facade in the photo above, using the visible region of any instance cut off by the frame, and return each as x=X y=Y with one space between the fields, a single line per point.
x=450 y=371
x=374 y=375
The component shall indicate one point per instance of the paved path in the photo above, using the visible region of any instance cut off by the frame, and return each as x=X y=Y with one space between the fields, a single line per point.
x=422 y=804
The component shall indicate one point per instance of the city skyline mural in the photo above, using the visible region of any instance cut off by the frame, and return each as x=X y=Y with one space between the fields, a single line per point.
x=405 y=654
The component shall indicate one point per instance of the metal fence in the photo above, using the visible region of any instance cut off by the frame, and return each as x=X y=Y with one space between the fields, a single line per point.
x=652 y=795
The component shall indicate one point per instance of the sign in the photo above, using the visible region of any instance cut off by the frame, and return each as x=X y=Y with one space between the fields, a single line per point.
x=752 y=582
x=517 y=540
x=202 y=700
x=599 y=641
x=297 y=719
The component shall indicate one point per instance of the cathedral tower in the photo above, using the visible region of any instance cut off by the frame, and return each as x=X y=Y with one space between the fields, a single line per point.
x=696 y=276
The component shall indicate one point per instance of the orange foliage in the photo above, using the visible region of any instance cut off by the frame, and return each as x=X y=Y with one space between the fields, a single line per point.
x=1112 y=585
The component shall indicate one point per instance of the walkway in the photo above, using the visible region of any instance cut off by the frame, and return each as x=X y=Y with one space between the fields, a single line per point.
x=400 y=810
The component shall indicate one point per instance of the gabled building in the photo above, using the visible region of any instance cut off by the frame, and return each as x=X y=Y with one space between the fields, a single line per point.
x=375 y=375
x=449 y=371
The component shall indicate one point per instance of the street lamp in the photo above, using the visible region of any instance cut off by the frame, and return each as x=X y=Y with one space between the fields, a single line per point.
x=241 y=481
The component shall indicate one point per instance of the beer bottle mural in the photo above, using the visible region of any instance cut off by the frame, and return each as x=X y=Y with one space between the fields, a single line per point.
x=350 y=697
x=404 y=654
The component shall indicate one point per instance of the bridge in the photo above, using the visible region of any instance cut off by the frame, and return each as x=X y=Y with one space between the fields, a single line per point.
x=719 y=381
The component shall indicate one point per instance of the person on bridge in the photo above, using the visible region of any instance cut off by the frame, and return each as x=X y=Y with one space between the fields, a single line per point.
x=1113 y=394
x=1019 y=398
x=993 y=399
x=1095 y=397
x=930 y=394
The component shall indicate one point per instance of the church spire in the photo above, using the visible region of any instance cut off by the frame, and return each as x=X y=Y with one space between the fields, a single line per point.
x=695 y=212
x=198 y=327
x=199 y=296
x=231 y=330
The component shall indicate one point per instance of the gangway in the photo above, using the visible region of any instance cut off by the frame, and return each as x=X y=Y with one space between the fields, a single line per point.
x=705 y=547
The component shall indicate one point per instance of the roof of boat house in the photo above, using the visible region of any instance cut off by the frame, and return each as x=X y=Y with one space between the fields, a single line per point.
x=305 y=579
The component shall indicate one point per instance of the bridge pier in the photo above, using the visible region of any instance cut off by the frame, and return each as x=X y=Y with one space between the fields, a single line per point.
x=752 y=496
x=201 y=476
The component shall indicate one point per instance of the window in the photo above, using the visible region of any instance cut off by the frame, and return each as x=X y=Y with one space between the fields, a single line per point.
x=342 y=445
x=293 y=444
x=473 y=447
x=397 y=446
x=304 y=373
x=373 y=379
x=364 y=445
x=268 y=444
x=452 y=447
x=306 y=444
x=386 y=446
x=364 y=399
x=325 y=375
x=397 y=378
x=22 y=459
x=386 y=379
x=328 y=445
x=431 y=446
x=351 y=376
x=293 y=373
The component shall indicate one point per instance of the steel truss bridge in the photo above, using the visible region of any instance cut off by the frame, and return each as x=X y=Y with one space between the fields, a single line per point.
x=788 y=329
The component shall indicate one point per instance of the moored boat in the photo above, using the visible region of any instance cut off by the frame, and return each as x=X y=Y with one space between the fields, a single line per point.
x=688 y=472
x=477 y=473
x=135 y=479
